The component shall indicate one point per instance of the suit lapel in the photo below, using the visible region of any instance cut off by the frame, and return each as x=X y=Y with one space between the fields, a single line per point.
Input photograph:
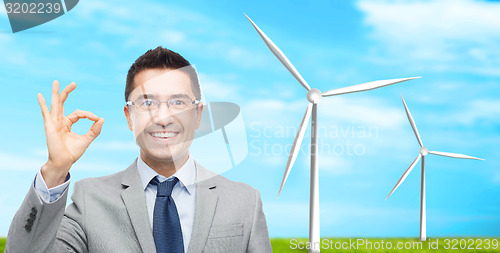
x=135 y=202
x=206 y=202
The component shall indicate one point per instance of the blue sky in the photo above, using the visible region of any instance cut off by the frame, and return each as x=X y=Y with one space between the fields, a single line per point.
x=366 y=141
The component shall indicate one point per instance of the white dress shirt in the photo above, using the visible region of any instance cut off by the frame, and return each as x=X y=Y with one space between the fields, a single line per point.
x=183 y=193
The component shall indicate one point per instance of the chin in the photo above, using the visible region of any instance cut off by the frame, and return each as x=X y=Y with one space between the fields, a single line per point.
x=159 y=156
x=163 y=155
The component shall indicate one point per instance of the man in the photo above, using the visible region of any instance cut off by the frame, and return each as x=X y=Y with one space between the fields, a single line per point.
x=163 y=202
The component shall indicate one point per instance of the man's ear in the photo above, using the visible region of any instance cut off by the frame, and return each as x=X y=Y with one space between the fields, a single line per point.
x=199 y=111
x=129 y=118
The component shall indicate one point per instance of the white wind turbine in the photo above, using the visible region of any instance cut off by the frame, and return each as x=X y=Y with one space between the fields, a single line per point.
x=314 y=96
x=423 y=151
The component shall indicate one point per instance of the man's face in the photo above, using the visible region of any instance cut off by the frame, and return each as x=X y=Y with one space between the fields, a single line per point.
x=163 y=134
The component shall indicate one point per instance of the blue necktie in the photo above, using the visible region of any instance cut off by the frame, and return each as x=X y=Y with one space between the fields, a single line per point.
x=167 y=231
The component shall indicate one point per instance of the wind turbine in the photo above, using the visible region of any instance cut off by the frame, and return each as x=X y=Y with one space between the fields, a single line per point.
x=423 y=151
x=314 y=96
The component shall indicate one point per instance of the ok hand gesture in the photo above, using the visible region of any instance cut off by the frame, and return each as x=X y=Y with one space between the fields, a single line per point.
x=65 y=147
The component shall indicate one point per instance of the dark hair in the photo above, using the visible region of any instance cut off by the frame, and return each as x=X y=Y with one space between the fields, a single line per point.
x=161 y=58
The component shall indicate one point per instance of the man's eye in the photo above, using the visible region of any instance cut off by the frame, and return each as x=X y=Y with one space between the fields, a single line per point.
x=147 y=103
x=178 y=102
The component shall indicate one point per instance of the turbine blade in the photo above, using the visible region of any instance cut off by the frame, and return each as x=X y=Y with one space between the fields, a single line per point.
x=365 y=86
x=403 y=177
x=412 y=123
x=280 y=55
x=296 y=144
x=454 y=155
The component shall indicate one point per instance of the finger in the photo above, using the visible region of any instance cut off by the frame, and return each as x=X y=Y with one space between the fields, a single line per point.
x=79 y=114
x=95 y=130
x=43 y=107
x=68 y=89
x=54 y=104
x=64 y=95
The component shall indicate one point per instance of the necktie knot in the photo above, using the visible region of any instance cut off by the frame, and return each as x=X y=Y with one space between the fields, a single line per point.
x=164 y=189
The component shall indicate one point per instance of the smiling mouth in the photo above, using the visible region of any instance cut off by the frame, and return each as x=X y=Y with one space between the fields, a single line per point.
x=164 y=135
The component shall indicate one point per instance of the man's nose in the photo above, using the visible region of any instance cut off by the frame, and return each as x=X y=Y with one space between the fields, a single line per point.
x=163 y=115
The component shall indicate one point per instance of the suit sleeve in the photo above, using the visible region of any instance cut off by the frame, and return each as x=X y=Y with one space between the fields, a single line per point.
x=259 y=236
x=44 y=227
x=71 y=235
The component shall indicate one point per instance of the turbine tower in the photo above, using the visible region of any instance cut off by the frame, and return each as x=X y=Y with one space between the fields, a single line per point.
x=314 y=97
x=423 y=151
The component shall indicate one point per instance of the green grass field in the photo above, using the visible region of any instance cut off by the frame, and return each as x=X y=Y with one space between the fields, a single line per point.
x=363 y=245
x=2 y=244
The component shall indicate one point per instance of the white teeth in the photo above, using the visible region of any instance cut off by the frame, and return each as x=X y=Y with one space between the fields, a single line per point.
x=164 y=135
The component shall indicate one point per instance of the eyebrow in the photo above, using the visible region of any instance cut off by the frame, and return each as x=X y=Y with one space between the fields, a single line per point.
x=180 y=95
x=148 y=96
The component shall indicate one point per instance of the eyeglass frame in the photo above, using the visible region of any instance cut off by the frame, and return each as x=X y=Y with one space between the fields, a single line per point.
x=193 y=102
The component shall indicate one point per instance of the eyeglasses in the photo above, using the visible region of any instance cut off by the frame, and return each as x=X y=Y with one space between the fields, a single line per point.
x=175 y=105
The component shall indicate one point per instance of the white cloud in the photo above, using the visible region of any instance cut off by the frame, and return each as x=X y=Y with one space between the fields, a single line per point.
x=475 y=112
x=3 y=11
x=334 y=165
x=275 y=114
x=91 y=7
x=5 y=38
x=220 y=88
x=20 y=58
x=13 y=162
x=481 y=109
x=278 y=162
x=348 y=129
x=472 y=20
x=179 y=29
x=496 y=178
x=238 y=55
x=445 y=34
x=363 y=111
x=287 y=214
x=336 y=111
x=173 y=37
x=34 y=161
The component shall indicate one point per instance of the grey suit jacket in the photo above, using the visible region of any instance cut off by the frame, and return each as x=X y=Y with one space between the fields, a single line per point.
x=109 y=214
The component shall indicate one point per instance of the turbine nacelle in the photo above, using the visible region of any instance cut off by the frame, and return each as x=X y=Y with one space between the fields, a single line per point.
x=423 y=151
x=314 y=95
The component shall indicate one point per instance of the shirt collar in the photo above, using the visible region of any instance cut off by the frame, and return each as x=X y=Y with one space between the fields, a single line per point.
x=186 y=174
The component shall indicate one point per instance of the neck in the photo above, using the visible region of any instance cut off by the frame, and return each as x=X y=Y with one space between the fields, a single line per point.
x=166 y=167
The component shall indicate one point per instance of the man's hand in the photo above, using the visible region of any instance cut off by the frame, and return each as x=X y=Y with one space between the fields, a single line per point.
x=65 y=147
